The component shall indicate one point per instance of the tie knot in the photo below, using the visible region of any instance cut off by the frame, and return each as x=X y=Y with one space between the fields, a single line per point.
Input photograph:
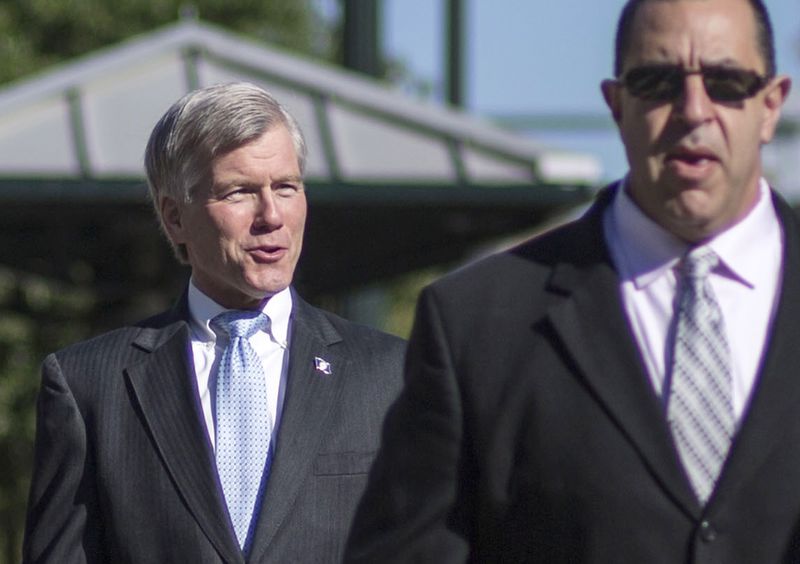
x=699 y=262
x=240 y=323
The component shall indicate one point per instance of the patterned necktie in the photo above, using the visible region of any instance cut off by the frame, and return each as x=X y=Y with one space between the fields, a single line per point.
x=700 y=411
x=244 y=422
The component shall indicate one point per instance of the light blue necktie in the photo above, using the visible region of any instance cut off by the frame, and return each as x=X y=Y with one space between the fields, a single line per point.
x=700 y=410
x=244 y=422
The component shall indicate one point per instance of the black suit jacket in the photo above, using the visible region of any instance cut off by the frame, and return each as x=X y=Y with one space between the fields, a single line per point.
x=528 y=430
x=124 y=471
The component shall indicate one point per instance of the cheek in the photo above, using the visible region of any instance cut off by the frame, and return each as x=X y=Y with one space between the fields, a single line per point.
x=742 y=146
x=638 y=135
x=296 y=220
x=299 y=226
x=748 y=138
x=230 y=226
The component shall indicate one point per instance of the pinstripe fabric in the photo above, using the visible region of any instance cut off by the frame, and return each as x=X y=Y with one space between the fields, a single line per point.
x=700 y=410
x=125 y=472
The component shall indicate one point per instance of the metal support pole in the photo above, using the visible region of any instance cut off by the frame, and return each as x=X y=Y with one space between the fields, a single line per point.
x=361 y=50
x=454 y=52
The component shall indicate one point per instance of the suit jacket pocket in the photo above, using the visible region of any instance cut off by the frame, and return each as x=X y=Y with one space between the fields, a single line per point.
x=343 y=463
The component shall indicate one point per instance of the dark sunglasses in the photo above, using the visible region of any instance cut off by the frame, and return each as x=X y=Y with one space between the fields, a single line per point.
x=664 y=83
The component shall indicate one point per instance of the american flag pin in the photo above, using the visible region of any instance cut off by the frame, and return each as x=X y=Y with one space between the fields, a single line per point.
x=322 y=365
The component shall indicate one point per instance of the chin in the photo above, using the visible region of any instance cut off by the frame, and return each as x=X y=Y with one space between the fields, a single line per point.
x=267 y=288
x=694 y=228
x=695 y=205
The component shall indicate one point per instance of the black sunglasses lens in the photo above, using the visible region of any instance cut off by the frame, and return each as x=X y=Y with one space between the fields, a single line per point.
x=654 y=83
x=665 y=83
x=730 y=85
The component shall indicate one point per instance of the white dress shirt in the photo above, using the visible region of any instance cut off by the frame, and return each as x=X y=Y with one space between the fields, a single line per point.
x=270 y=347
x=746 y=284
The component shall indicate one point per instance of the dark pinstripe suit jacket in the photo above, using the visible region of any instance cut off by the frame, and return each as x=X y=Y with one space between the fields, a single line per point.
x=124 y=470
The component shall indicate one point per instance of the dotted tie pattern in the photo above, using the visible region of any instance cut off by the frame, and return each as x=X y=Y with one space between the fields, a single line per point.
x=244 y=423
x=700 y=411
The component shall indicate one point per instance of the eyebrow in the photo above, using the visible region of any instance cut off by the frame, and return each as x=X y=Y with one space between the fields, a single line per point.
x=290 y=178
x=242 y=180
x=726 y=62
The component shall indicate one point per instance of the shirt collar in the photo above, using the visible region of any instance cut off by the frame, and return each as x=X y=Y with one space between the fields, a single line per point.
x=203 y=309
x=741 y=247
x=648 y=250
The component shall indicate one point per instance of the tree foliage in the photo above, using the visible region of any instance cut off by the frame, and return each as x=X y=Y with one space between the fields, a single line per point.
x=35 y=34
x=36 y=316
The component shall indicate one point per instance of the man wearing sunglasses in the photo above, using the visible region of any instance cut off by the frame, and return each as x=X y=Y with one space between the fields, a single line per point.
x=625 y=388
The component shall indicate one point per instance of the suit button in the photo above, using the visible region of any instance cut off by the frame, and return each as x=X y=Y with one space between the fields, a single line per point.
x=707 y=532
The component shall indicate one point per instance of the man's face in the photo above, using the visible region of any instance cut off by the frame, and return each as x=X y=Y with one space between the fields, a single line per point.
x=695 y=162
x=244 y=232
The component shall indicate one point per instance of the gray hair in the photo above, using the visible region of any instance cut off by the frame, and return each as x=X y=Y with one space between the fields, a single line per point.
x=202 y=126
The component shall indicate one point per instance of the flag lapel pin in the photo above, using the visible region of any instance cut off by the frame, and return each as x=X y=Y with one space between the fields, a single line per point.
x=322 y=365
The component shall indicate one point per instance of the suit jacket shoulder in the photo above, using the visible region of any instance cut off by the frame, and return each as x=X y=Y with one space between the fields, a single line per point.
x=523 y=282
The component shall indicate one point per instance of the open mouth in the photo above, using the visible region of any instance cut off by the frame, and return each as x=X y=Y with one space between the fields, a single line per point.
x=267 y=253
x=690 y=159
x=691 y=163
x=691 y=156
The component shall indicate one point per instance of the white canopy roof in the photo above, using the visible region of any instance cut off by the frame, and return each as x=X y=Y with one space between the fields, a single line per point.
x=90 y=119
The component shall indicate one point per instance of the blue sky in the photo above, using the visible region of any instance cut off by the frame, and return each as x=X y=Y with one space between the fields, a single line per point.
x=541 y=57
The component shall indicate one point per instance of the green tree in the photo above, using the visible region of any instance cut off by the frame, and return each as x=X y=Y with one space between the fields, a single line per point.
x=36 y=316
x=35 y=34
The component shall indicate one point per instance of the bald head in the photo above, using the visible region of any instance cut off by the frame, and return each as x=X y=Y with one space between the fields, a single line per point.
x=764 y=34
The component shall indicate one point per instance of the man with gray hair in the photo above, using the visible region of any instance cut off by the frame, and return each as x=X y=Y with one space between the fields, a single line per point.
x=239 y=425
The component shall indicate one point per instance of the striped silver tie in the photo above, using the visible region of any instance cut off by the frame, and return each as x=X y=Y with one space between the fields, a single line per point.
x=700 y=410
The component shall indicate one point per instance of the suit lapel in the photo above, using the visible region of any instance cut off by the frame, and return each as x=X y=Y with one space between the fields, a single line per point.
x=310 y=394
x=169 y=404
x=773 y=407
x=592 y=325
